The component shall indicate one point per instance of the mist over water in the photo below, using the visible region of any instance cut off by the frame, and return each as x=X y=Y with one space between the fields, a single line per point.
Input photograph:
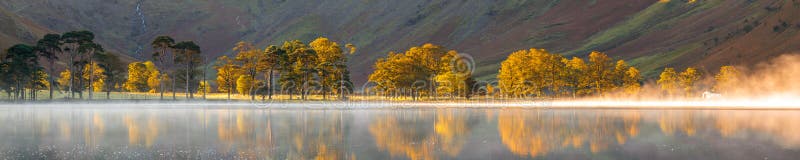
x=232 y=132
x=771 y=84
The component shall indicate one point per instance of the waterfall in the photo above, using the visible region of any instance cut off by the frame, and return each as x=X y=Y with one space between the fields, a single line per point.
x=141 y=15
x=139 y=47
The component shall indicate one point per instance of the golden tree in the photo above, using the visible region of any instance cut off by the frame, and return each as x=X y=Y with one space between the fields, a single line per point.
x=575 y=76
x=249 y=57
x=274 y=59
x=553 y=73
x=630 y=82
x=618 y=74
x=688 y=78
x=227 y=74
x=599 y=71
x=533 y=72
x=64 y=79
x=454 y=75
x=244 y=84
x=203 y=87
x=490 y=89
x=154 y=77
x=137 y=77
x=726 y=79
x=299 y=67
x=97 y=73
x=330 y=63
x=406 y=71
x=509 y=78
x=668 y=81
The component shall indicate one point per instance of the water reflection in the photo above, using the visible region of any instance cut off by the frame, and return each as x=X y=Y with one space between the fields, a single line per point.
x=423 y=134
x=218 y=132
x=534 y=132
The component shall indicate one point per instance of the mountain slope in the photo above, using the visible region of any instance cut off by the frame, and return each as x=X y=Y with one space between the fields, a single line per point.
x=649 y=33
x=15 y=29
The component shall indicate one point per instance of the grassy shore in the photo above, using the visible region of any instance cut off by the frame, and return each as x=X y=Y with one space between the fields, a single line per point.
x=43 y=95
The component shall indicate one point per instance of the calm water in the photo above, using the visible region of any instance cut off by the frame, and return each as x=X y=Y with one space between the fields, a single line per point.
x=220 y=132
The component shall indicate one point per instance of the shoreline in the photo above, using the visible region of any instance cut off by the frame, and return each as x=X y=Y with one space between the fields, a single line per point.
x=477 y=104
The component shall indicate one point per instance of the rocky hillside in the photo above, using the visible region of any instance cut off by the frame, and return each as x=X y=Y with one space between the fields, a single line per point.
x=15 y=29
x=649 y=33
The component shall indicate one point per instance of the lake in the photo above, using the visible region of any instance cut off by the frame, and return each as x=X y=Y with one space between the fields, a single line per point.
x=236 y=132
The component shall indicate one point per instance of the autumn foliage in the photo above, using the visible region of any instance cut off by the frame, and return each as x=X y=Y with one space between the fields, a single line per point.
x=539 y=73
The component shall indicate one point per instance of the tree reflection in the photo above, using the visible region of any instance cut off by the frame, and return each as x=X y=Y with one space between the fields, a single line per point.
x=316 y=135
x=141 y=128
x=780 y=127
x=245 y=134
x=402 y=133
x=420 y=135
x=534 y=132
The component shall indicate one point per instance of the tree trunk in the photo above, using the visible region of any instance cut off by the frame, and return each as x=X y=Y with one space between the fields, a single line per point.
x=303 y=86
x=72 y=75
x=253 y=85
x=173 y=89
x=52 y=80
x=269 y=88
x=91 y=79
x=21 y=91
x=16 y=91
x=80 y=83
x=341 y=86
x=80 y=91
x=324 y=91
x=161 y=87
x=205 y=83
x=188 y=66
x=264 y=87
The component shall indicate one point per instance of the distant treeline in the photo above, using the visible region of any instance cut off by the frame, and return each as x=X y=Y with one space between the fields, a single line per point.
x=320 y=68
x=432 y=71
x=539 y=73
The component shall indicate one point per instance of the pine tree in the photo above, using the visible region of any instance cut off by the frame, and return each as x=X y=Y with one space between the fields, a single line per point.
x=22 y=64
x=188 y=55
x=76 y=43
x=272 y=61
x=114 y=71
x=249 y=58
x=49 y=47
x=64 y=79
x=331 y=63
x=165 y=60
x=97 y=73
x=300 y=67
